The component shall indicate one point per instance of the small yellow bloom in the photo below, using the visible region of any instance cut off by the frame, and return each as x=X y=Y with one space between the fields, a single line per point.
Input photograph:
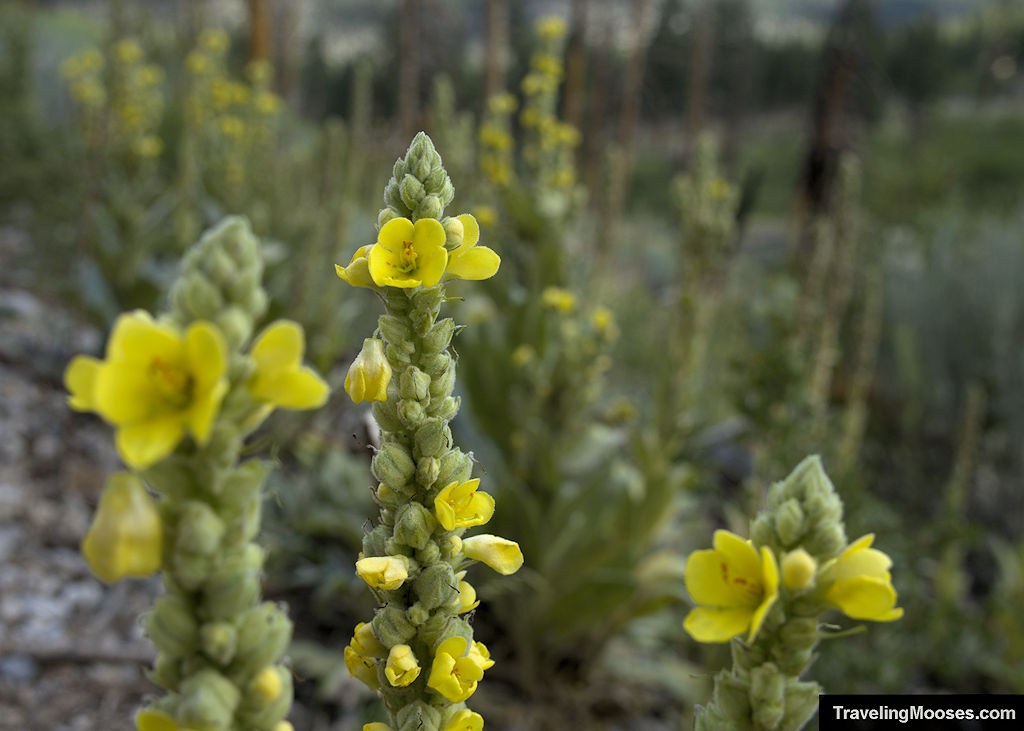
x=551 y=27
x=148 y=146
x=259 y=71
x=232 y=127
x=862 y=587
x=454 y=673
x=501 y=554
x=523 y=355
x=366 y=643
x=735 y=585
x=382 y=572
x=798 y=569
x=604 y=323
x=363 y=669
x=402 y=667
x=127 y=51
x=279 y=378
x=465 y=720
x=470 y=261
x=485 y=215
x=214 y=39
x=459 y=505
x=467 y=594
x=126 y=536
x=481 y=655
x=357 y=273
x=558 y=299
x=408 y=255
x=266 y=686
x=268 y=103
x=283 y=726
x=501 y=104
x=197 y=62
x=370 y=373
x=153 y=386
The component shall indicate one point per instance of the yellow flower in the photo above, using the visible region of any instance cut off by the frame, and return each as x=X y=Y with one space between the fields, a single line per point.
x=363 y=669
x=151 y=719
x=501 y=104
x=798 y=569
x=153 y=386
x=501 y=554
x=357 y=273
x=479 y=652
x=370 y=373
x=197 y=62
x=454 y=673
x=382 y=572
x=402 y=667
x=523 y=355
x=283 y=726
x=470 y=261
x=604 y=323
x=126 y=536
x=127 y=51
x=267 y=103
x=558 y=299
x=551 y=27
x=862 y=587
x=214 y=39
x=279 y=378
x=232 y=127
x=459 y=505
x=467 y=594
x=465 y=720
x=735 y=585
x=366 y=643
x=408 y=255
x=148 y=146
x=486 y=215
x=266 y=686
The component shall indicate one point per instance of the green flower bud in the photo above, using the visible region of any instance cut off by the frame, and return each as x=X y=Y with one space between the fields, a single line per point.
x=218 y=640
x=171 y=626
x=267 y=698
x=235 y=585
x=208 y=701
x=385 y=215
x=410 y=413
x=442 y=384
x=386 y=415
x=445 y=409
x=419 y=716
x=387 y=497
x=435 y=363
x=789 y=522
x=455 y=467
x=826 y=540
x=202 y=299
x=762 y=531
x=392 y=627
x=235 y=324
x=199 y=529
x=263 y=635
x=798 y=633
x=801 y=702
x=393 y=465
x=394 y=329
x=433 y=438
x=430 y=207
x=173 y=478
x=732 y=698
x=414 y=525
x=427 y=471
x=191 y=569
x=455 y=627
x=417 y=614
x=429 y=554
x=437 y=586
x=165 y=672
x=412 y=191
x=767 y=695
x=414 y=384
x=398 y=356
x=439 y=336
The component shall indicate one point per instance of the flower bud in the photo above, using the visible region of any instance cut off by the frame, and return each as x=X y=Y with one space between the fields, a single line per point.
x=455 y=467
x=235 y=585
x=453 y=231
x=218 y=640
x=414 y=384
x=430 y=207
x=268 y=698
x=427 y=471
x=393 y=466
x=798 y=570
x=235 y=325
x=208 y=700
x=436 y=586
x=171 y=626
x=442 y=384
x=263 y=635
x=366 y=643
x=801 y=702
x=386 y=415
x=439 y=336
x=429 y=554
x=385 y=215
x=383 y=572
x=417 y=614
x=767 y=695
x=201 y=297
x=370 y=373
x=435 y=363
x=363 y=669
x=373 y=542
x=445 y=409
x=826 y=540
x=199 y=529
x=392 y=627
x=451 y=547
x=414 y=524
x=412 y=192
x=410 y=413
x=191 y=569
x=789 y=522
x=126 y=536
x=501 y=554
x=402 y=667
x=433 y=438
x=394 y=329
x=425 y=302
x=419 y=716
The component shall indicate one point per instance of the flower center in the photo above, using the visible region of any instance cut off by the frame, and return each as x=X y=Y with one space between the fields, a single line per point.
x=173 y=384
x=744 y=584
x=407 y=257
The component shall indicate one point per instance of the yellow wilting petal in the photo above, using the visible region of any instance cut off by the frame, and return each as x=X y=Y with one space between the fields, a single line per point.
x=376 y=726
x=151 y=719
x=501 y=554
x=126 y=535
x=478 y=263
x=80 y=381
x=357 y=273
x=370 y=373
x=714 y=624
x=362 y=668
x=861 y=585
x=382 y=572
x=144 y=443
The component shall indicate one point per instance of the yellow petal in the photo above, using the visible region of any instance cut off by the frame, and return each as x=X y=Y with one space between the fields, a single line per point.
x=445 y=513
x=143 y=443
x=137 y=337
x=740 y=554
x=80 y=381
x=428 y=233
x=279 y=346
x=478 y=511
x=203 y=411
x=501 y=554
x=125 y=537
x=300 y=388
x=865 y=597
x=710 y=580
x=395 y=233
x=475 y=264
x=206 y=354
x=710 y=624
x=470 y=230
x=124 y=392
x=432 y=262
x=865 y=562
x=151 y=719
x=770 y=585
x=383 y=264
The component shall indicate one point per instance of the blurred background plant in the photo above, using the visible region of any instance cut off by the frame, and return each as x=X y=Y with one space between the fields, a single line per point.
x=732 y=234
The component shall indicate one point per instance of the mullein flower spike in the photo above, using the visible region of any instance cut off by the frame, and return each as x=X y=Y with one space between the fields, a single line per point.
x=738 y=586
x=417 y=651
x=219 y=647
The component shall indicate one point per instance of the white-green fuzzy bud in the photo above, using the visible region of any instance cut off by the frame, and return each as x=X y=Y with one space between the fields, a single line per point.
x=789 y=522
x=394 y=329
x=417 y=614
x=454 y=232
x=173 y=478
x=386 y=497
x=199 y=529
x=445 y=409
x=427 y=300
x=430 y=207
x=412 y=191
x=191 y=569
x=767 y=695
x=429 y=554
x=762 y=531
x=439 y=336
x=259 y=711
x=235 y=584
x=732 y=699
x=385 y=215
x=437 y=586
x=165 y=672
x=374 y=541
x=433 y=438
x=414 y=525
x=410 y=413
x=201 y=298
x=263 y=635
x=455 y=467
x=172 y=627
x=801 y=700
x=826 y=540
x=393 y=465
x=427 y=470
x=419 y=716
x=436 y=628
x=392 y=627
x=218 y=640
x=235 y=324
x=208 y=701
x=442 y=385
x=414 y=383
x=386 y=415
x=435 y=363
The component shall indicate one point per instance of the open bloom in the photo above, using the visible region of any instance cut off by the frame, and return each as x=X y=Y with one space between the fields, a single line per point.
x=454 y=673
x=366 y=643
x=370 y=373
x=280 y=379
x=459 y=505
x=861 y=585
x=467 y=594
x=735 y=587
x=154 y=384
x=126 y=536
x=407 y=254
x=501 y=554
x=470 y=261
x=382 y=572
x=363 y=669
x=465 y=720
x=402 y=667
x=357 y=273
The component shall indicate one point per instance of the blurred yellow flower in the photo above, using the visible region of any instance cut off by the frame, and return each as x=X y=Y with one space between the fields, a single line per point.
x=558 y=299
x=127 y=51
x=798 y=569
x=551 y=27
x=459 y=505
x=408 y=255
x=126 y=536
x=861 y=584
x=357 y=273
x=151 y=719
x=214 y=39
x=154 y=384
x=470 y=261
x=735 y=587
x=279 y=378
x=266 y=685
